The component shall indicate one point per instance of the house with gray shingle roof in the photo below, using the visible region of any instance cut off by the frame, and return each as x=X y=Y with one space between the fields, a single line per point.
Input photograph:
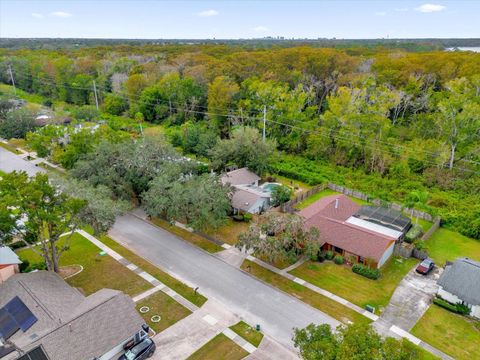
x=69 y=325
x=460 y=283
x=9 y=262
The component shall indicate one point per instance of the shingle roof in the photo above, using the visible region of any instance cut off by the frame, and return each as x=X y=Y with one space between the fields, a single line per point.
x=70 y=325
x=330 y=220
x=462 y=279
x=243 y=199
x=8 y=256
x=241 y=176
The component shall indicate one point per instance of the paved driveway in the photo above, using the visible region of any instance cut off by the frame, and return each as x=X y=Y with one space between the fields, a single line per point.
x=10 y=162
x=411 y=299
x=245 y=296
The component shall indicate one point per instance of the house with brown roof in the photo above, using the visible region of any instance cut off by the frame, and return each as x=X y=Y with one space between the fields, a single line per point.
x=361 y=234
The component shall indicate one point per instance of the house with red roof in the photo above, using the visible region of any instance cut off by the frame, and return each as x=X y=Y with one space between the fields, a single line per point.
x=364 y=234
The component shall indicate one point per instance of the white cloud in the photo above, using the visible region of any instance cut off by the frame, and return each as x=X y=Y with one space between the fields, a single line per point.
x=428 y=8
x=208 y=13
x=380 y=13
x=401 y=9
x=61 y=14
x=260 y=28
x=37 y=15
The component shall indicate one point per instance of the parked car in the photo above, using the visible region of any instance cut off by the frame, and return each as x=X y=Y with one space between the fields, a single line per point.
x=425 y=266
x=142 y=350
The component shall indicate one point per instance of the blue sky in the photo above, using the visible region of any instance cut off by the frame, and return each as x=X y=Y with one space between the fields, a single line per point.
x=239 y=19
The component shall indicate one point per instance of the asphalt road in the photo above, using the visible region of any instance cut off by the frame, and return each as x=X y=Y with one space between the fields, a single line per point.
x=10 y=162
x=252 y=300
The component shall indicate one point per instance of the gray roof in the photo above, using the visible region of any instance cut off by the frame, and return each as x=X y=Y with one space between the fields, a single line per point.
x=462 y=279
x=241 y=176
x=8 y=256
x=70 y=325
x=243 y=199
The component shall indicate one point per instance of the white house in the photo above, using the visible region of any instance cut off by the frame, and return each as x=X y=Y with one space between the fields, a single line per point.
x=460 y=283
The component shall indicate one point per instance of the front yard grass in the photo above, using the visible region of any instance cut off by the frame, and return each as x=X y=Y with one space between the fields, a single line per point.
x=192 y=238
x=318 y=301
x=229 y=232
x=219 y=348
x=247 y=332
x=342 y=281
x=98 y=271
x=446 y=245
x=163 y=305
x=184 y=290
x=10 y=148
x=454 y=334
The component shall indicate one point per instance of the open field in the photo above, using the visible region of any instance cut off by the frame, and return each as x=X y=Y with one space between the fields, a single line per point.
x=449 y=245
x=98 y=271
x=342 y=281
x=454 y=334
x=322 y=303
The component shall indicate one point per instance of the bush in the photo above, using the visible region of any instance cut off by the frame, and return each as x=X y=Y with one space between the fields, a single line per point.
x=363 y=270
x=329 y=255
x=280 y=195
x=238 y=217
x=414 y=232
x=420 y=245
x=247 y=217
x=24 y=265
x=321 y=256
x=456 y=308
x=338 y=259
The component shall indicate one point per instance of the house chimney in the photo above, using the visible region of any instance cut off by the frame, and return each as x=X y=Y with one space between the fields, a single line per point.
x=336 y=203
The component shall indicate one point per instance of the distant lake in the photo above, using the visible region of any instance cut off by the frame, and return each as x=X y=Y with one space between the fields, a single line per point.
x=465 y=48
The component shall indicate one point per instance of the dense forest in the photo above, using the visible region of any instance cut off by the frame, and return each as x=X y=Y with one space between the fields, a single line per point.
x=385 y=121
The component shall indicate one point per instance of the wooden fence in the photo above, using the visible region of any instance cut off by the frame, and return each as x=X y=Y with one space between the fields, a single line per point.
x=289 y=206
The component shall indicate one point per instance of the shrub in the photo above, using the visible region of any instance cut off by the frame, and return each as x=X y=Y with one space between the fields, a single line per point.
x=456 y=308
x=280 y=195
x=247 y=217
x=363 y=270
x=238 y=217
x=338 y=259
x=329 y=255
x=24 y=265
x=420 y=245
x=321 y=256
x=412 y=234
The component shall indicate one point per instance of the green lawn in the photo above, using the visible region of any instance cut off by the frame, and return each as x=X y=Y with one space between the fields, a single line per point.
x=446 y=245
x=229 y=232
x=454 y=334
x=192 y=238
x=247 y=332
x=98 y=271
x=219 y=348
x=321 y=194
x=322 y=303
x=342 y=281
x=10 y=148
x=184 y=290
x=167 y=308
x=52 y=169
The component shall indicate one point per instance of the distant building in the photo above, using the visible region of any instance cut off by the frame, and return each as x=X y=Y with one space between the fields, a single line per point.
x=460 y=283
x=241 y=176
x=9 y=262
x=363 y=234
x=49 y=320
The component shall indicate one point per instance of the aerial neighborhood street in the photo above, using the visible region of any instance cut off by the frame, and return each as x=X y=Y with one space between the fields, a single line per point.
x=202 y=180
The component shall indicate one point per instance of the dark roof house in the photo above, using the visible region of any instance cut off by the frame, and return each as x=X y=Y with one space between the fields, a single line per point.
x=462 y=279
x=66 y=324
x=241 y=176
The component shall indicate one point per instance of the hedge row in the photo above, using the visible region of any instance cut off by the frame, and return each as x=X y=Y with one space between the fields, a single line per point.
x=366 y=271
x=456 y=308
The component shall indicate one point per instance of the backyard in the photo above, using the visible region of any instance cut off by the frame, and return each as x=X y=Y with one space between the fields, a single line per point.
x=219 y=348
x=163 y=305
x=454 y=334
x=98 y=271
x=322 y=303
x=449 y=245
x=340 y=280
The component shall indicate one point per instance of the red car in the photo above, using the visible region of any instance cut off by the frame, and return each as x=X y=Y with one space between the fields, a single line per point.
x=425 y=266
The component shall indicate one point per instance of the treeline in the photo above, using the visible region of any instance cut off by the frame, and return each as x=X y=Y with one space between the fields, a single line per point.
x=409 y=117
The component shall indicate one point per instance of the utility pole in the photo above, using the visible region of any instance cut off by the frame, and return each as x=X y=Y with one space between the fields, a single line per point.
x=13 y=81
x=264 y=121
x=95 y=92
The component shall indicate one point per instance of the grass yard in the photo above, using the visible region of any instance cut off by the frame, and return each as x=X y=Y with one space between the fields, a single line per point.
x=98 y=271
x=322 y=303
x=167 y=308
x=247 y=332
x=219 y=348
x=342 y=281
x=297 y=185
x=454 y=334
x=192 y=238
x=184 y=290
x=229 y=232
x=18 y=143
x=52 y=169
x=446 y=245
x=10 y=148
x=321 y=194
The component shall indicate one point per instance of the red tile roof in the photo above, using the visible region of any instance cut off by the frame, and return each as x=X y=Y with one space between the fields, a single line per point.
x=330 y=220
